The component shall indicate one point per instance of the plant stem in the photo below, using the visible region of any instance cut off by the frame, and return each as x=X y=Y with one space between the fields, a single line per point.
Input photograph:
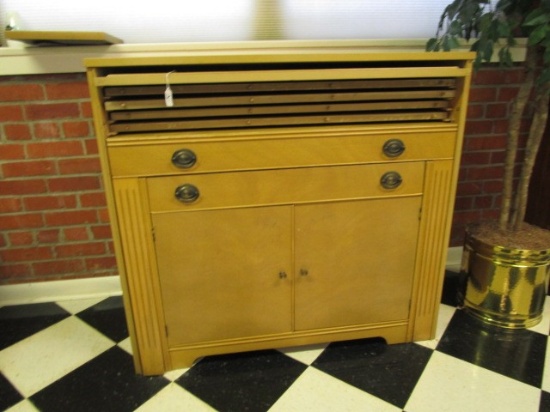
x=518 y=108
x=536 y=132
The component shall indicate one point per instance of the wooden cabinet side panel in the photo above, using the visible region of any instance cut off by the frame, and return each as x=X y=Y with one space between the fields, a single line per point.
x=119 y=232
x=136 y=237
x=432 y=249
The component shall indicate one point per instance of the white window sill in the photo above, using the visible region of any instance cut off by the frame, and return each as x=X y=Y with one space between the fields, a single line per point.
x=20 y=60
x=17 y=59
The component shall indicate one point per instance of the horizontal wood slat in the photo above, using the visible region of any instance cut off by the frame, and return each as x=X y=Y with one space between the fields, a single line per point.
x=276 y=121
x=267 y=75
x=255 y=100
x=122 y=91
x=270 y=109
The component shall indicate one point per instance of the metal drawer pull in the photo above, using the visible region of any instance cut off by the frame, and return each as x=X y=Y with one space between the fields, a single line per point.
x=187 y=193
x=391 y=180
x=184 y=158
x=393 y=147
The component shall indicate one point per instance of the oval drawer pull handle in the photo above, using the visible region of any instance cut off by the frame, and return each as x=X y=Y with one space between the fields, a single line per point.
x=393 y=147
x=391 y=180
x=184 y=158
x=187 y=193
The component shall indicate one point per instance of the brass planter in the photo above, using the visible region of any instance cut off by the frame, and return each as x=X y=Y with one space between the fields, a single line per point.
x=502 y=286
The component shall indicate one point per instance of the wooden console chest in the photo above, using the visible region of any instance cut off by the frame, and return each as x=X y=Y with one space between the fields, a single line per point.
x=278 y=197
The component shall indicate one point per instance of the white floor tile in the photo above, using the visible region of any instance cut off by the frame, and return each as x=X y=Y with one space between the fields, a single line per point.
x=305 y=354
x=445 y=314
x=23 y=406
x=46 y=356
x=78 y=305
x=175 y=374
x=174 y=398
x=317 y=391
x=546 y=375
x=452 y=385
x=126 y=344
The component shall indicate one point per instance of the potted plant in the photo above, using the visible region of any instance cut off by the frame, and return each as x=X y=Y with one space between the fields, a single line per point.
x=505 y=264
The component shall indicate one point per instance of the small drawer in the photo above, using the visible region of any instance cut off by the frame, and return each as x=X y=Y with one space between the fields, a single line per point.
x=271 y=153
x=284 y=186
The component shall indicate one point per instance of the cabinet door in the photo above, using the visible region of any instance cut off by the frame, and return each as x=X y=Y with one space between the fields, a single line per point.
x=355 y=261
x=224 y=273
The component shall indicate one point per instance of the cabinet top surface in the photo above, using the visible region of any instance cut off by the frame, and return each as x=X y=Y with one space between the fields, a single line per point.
x=279 y=55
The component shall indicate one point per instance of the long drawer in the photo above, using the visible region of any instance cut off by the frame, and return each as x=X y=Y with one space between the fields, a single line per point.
x=272 y=187
x=281 y=152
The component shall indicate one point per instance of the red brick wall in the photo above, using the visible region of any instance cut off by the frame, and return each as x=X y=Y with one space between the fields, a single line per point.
x=53 y=219
x=480 y=180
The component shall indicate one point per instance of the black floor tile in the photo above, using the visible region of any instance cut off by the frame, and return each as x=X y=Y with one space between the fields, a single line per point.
x=518 y=354
x=21 y=321
x=106 y=383
x=250 y=381
x=544 y=402
x=107 y=317
x=450 y=288
x=9 y=396
x=389 y=372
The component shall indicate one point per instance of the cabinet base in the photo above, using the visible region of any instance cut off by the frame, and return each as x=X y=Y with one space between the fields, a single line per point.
x=184 y=357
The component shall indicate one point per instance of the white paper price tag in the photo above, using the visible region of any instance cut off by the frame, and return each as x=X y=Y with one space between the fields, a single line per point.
x=168 y=97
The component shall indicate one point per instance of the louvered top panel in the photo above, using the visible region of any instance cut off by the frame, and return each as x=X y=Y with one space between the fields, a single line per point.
x=274 y=94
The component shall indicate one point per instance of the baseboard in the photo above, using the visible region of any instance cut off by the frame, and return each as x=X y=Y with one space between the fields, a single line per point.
x=105 y=287
x=58 y=290
x=454 y=258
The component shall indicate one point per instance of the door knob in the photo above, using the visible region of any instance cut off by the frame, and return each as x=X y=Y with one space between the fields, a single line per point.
x=393 y=147
x=184 y=158
x=187 y=193
x=391 y=180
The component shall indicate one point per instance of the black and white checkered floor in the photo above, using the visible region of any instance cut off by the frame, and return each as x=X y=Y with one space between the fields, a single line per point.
x=75 y=356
